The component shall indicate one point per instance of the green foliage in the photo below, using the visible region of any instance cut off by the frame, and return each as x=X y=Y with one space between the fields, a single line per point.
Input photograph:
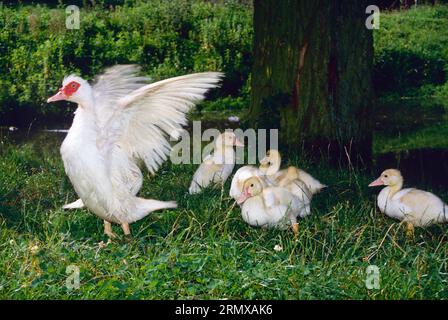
x=411 y=51
x=168 y=38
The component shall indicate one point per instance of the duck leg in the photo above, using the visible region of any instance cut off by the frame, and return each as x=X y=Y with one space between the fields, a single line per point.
x=295 y=226
x=410 y=230
x=108 y=229
x=295 y=229
x=126 y=230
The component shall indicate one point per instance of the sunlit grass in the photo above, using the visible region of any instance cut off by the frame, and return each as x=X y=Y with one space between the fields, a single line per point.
x=204 y=249
x=434 y=136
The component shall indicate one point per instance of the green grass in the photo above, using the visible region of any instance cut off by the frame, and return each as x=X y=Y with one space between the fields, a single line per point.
x=433 y=136
x=410 y=123
x=166 y=38
x=204 y=249
x=411 y=52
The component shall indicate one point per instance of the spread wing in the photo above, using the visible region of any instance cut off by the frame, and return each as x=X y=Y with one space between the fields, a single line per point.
x=139 y=127
x=115 y=83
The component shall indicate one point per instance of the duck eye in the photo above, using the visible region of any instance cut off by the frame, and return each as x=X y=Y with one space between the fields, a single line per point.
x=385 y=176
x=252 y=185
x=73 y=85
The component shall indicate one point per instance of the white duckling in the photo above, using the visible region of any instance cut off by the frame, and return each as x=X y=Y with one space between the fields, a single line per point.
x=266 y=167
x=415 y=207
x=268 y=206
x=298 y=182
x=216 y=167
x=244 y=173
x=288 y=179
x=270 y=165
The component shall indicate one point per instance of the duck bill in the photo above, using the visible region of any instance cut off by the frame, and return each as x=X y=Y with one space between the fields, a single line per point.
x=377 y=182
x=243 y=197
x=264 y=161
x=57 y=97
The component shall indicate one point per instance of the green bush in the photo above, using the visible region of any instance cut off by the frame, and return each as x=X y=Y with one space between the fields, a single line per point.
x=168 y=38
x=411 y=51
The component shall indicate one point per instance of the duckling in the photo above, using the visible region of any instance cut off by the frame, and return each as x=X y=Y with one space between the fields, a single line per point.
x=216 y=167
x=270 y=165
x=292 y=173
x=244 y=173
x=415 y=207
x=288 y=179
x=268 y=206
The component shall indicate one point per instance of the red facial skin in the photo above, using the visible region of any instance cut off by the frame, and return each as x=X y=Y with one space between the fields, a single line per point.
x=70 y=88
x=66 y=92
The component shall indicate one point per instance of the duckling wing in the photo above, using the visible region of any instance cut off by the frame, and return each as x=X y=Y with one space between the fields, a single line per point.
x=280 y=204
x=207 y=173
x=278 y=197
x=423 y=207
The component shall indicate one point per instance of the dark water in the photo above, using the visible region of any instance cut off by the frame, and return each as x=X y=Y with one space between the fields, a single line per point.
x=428 y=166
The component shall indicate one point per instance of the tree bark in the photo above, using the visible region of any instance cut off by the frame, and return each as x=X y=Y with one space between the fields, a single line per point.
x=311 y=76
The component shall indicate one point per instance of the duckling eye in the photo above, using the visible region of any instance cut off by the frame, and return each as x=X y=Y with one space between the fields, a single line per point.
x=252 y=185
x=385 y=176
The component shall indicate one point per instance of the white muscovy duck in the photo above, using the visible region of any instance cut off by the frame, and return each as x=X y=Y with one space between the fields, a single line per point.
x=415 y=207
x=216 y=167
x=268 y=206
x=121 y=121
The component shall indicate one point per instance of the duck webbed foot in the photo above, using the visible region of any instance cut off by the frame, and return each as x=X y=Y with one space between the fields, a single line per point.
x=108 y=230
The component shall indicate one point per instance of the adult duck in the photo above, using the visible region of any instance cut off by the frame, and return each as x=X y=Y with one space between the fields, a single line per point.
x=122 y=121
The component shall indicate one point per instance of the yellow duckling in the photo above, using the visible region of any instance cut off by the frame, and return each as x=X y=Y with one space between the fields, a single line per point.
x=415 y=207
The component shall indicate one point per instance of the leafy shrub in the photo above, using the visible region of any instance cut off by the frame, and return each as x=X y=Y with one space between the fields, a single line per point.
x=411 y=50
x=168 y=38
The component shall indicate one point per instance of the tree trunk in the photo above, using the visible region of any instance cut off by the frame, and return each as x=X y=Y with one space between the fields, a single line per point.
x=311 y=76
